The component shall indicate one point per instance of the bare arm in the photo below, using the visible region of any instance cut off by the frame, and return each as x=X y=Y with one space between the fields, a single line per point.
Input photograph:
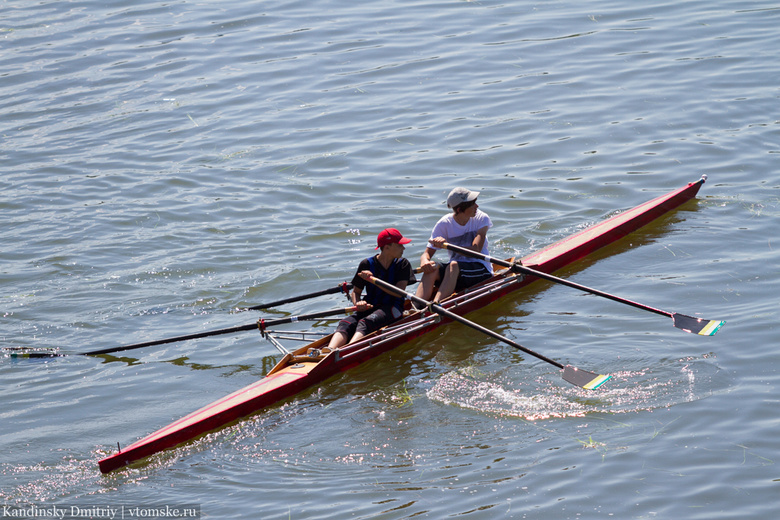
x=479 y=240
x=426 y=264
x=357 y=299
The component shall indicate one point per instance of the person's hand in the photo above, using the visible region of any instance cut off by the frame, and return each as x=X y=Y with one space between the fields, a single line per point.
x=428 y=267
x=363 y=306
x=438 y=242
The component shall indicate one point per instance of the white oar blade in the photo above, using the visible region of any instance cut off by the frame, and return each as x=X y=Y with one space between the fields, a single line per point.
x=583 y=378
x=698 y=326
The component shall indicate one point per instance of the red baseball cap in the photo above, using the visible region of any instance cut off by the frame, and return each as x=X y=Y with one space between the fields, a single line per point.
x=390 y=236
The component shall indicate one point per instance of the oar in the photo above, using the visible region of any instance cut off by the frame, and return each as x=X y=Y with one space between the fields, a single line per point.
x=343 y=287
x=690 y=324
x=573 y=375
x=260 y=324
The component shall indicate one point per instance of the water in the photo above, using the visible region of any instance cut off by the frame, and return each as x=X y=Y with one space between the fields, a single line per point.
x=166 y=163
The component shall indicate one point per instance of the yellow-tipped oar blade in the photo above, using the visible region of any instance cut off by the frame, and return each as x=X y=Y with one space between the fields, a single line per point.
x=583 y=378
x=698 y=326
x=687 y=323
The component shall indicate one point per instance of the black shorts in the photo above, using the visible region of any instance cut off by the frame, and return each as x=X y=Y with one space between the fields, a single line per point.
x=366 y=322
x=470 y=273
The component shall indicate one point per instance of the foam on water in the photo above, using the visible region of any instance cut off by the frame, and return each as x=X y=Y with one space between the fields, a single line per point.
x=665 y=384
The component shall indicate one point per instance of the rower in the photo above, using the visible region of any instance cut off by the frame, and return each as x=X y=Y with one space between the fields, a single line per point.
x=466 y=226
x=378 y=308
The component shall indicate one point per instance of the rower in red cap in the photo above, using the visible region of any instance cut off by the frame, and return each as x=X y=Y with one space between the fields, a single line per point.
x=377 y=308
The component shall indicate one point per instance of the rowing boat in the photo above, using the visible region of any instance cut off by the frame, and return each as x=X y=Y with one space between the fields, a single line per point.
x=314 y=363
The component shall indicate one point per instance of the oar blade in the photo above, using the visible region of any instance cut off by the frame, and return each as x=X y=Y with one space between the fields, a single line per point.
x=699 y=326
x=583 y=378
x=35 y=355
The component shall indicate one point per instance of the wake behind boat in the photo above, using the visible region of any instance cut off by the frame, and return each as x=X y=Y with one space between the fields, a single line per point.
x=313 y=363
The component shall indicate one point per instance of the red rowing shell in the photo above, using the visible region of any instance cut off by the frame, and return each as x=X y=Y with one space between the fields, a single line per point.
x=293 y=373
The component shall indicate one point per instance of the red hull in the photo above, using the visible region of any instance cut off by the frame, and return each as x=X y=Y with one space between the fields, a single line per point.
x=292 y=375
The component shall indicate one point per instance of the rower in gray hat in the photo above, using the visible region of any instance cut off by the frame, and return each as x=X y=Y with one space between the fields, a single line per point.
x=466 y=226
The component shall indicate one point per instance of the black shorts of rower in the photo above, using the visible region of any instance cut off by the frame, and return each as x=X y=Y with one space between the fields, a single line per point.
x=367 y=321
x=469 y=273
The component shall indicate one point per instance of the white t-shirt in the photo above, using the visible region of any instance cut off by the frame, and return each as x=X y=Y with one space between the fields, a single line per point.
x=463 y=236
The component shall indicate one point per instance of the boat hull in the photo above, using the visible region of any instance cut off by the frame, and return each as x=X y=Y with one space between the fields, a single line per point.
x=297 y=372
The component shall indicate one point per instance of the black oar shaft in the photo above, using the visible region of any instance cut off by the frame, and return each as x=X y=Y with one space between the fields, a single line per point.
x=187 y=337
x=455 y=317
x=260 y=324
x=581 y=378
x=438 y=309
x=344 y=287
x=700 y=326
x=519 y=268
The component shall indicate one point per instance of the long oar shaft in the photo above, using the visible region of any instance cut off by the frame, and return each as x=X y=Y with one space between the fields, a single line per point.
x=681 y=321
x=260 y=324
x=187 y=337
x=438 y=309
x=344 y=287
x=581 y=378
x=519 y=268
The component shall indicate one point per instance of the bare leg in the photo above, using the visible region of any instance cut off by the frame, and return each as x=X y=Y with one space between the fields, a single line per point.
x=337 y=341
x=447 y=286
x=425 y=289
x=356 y=337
